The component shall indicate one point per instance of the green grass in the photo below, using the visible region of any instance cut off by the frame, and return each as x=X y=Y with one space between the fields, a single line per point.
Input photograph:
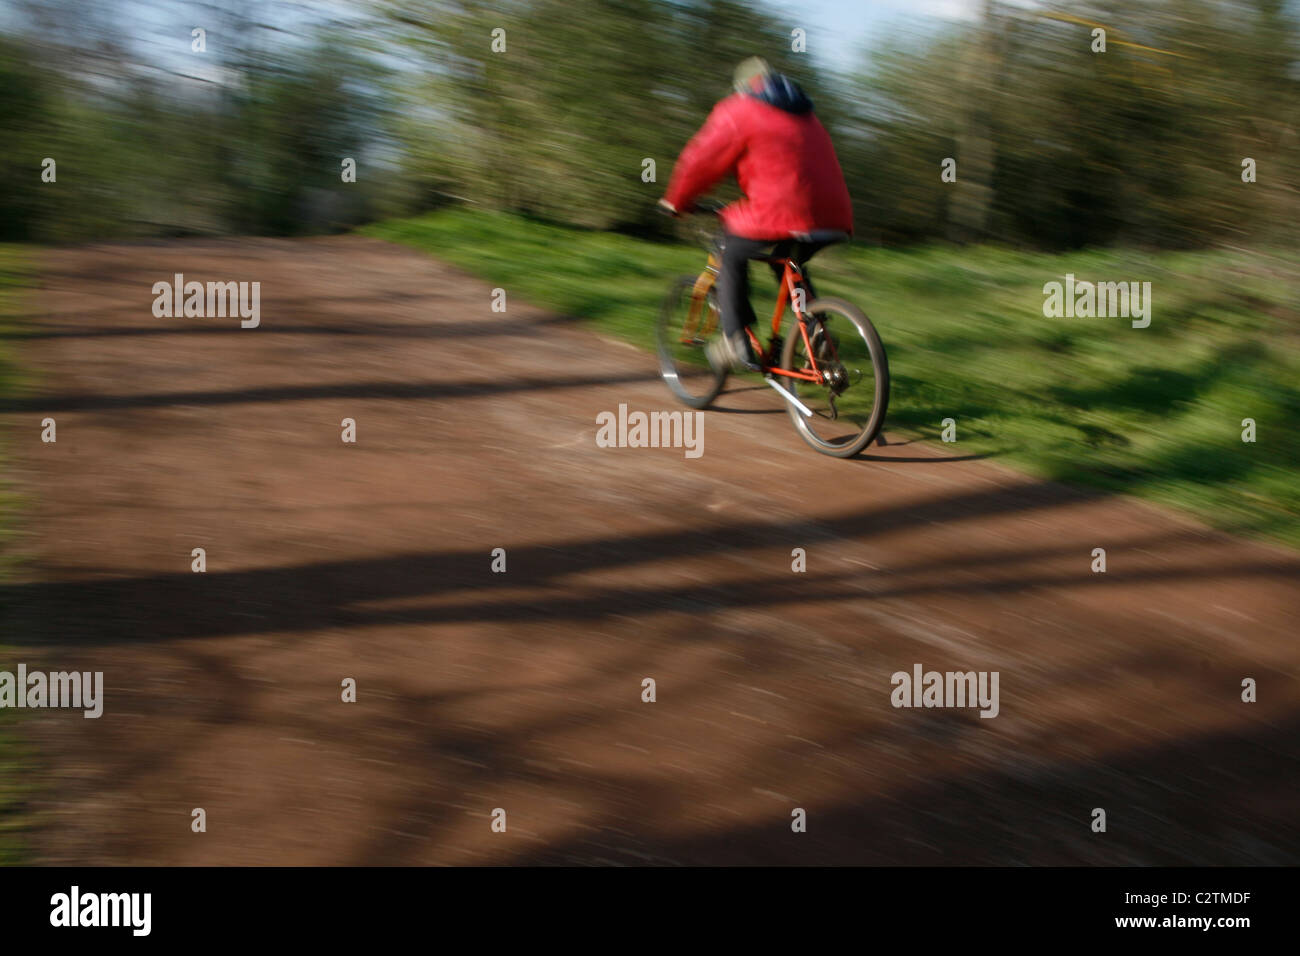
x=15 y=269
x=1153 y=412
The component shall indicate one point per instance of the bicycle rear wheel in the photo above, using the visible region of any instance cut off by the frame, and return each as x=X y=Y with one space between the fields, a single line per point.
x=686 y=323
x=848 y=405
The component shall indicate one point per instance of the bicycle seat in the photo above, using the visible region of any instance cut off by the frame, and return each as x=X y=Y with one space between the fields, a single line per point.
x=822 y=235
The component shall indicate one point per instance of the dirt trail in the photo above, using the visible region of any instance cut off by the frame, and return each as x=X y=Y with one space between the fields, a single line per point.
x=523 y=690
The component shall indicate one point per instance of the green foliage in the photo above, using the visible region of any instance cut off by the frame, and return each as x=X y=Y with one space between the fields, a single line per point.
x=1154 y=412
x=1057 y=146
x=25 y=104
x=143 y=156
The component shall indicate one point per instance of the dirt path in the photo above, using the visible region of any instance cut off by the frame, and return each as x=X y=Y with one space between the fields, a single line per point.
x=523 y=690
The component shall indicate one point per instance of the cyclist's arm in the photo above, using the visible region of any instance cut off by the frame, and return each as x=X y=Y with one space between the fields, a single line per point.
x=710 y=155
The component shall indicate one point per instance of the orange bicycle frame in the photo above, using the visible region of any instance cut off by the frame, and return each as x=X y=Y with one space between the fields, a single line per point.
x=692 y=328
x=792 y=281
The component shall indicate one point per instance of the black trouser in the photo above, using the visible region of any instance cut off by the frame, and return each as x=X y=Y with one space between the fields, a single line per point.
x=733 y=274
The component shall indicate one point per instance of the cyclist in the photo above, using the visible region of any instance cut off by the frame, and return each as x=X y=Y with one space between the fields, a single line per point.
x=795 y=198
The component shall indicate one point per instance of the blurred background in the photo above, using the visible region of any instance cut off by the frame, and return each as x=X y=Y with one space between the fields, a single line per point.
x=1058 y=146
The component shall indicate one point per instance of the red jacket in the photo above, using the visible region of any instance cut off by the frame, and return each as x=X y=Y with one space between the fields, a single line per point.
x=785 y=165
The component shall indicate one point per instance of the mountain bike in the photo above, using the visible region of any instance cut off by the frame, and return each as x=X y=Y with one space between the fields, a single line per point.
x=831 y=370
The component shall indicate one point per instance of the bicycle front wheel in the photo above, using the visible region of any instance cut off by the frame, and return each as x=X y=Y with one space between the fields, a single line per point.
x=848 y=404
x=686 y=323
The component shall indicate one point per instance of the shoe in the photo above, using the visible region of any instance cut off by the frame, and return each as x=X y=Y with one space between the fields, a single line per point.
x=732 y=354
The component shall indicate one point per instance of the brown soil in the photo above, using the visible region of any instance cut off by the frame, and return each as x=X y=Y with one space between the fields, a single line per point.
x=523 y=690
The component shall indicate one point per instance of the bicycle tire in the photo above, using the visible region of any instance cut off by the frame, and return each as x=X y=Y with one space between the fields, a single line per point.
x=693 y=381
x=849 y=443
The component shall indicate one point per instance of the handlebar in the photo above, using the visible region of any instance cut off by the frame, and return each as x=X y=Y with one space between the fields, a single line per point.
x=701 y=206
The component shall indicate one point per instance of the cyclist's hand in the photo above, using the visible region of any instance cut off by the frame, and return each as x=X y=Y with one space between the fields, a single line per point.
x=669 y=208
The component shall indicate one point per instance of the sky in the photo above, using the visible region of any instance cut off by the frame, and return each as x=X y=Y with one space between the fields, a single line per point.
x=841 y=32
x=838 y=30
